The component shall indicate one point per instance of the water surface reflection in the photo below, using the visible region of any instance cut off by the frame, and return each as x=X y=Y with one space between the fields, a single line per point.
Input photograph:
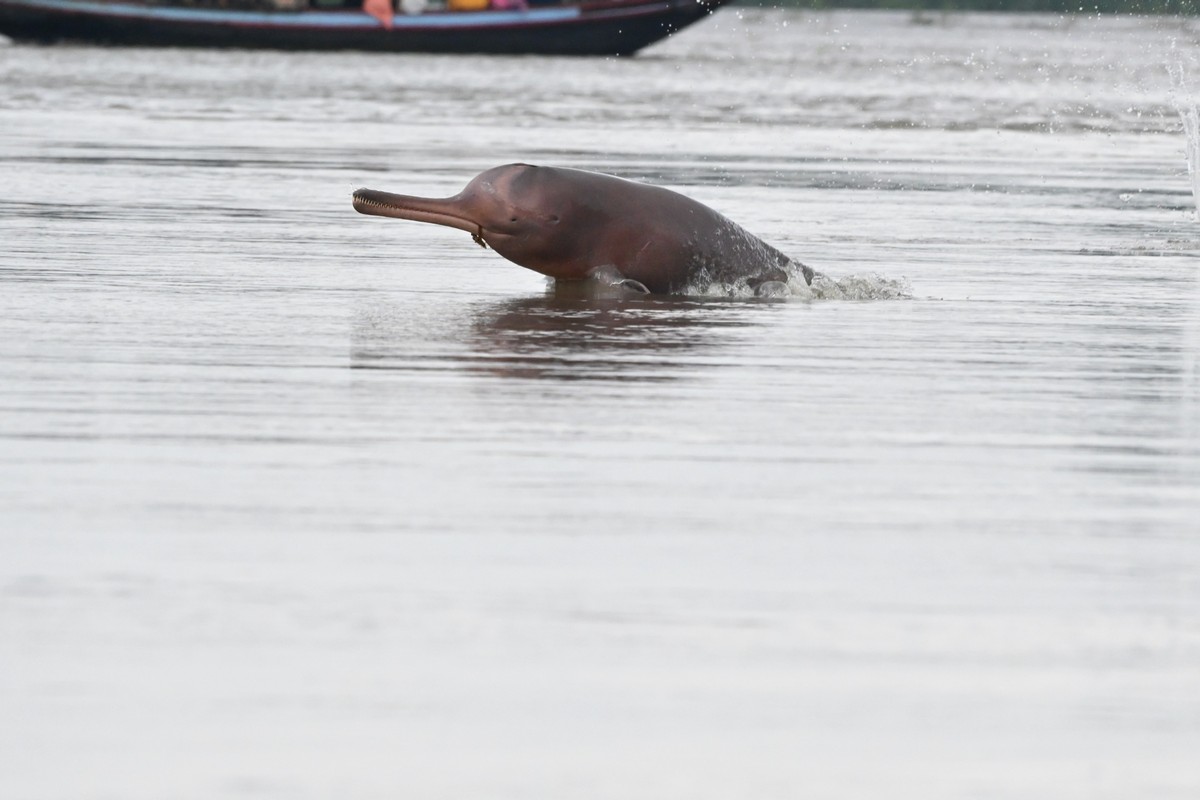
x=558 y=336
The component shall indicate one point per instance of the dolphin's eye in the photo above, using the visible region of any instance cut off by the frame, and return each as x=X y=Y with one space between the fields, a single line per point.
x=514 y=219
x=554 y=217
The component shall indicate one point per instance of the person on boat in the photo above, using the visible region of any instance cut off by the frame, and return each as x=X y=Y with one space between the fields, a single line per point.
x=380 y=10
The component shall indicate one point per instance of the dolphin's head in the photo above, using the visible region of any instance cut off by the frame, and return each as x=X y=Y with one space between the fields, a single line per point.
x=521 y=211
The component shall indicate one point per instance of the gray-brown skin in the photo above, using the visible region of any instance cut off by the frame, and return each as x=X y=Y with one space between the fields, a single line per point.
x=573 y=225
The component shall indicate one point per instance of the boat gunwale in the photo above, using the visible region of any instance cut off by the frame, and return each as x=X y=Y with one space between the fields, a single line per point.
x=356 y=19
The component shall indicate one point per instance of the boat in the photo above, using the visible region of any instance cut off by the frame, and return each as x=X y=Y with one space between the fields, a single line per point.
x=591 y=27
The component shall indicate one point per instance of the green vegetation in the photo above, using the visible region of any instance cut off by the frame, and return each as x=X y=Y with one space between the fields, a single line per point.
x=1183 y=7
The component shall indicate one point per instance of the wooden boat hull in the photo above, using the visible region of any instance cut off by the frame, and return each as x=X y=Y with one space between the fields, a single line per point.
x=616 y=27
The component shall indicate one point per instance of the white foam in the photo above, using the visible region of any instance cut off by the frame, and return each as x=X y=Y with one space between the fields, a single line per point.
x=857 y=287
x=824 y=287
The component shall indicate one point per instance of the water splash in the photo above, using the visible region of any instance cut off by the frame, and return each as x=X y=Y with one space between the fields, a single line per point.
x=824 y=287
x=856 y=287
x=1188 y=108
x=1191 y=127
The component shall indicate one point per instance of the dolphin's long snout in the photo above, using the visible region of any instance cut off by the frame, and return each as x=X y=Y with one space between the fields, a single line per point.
x=447 y=211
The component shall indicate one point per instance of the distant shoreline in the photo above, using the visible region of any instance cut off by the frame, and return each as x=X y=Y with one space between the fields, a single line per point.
x=1084 y=7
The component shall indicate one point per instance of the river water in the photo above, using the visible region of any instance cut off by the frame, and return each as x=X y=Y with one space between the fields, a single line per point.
x=298 y=503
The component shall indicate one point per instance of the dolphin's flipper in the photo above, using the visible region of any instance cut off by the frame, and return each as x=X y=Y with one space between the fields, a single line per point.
x=606 y=274
x=630 y=283
x=603 y=282
x=609 y=275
